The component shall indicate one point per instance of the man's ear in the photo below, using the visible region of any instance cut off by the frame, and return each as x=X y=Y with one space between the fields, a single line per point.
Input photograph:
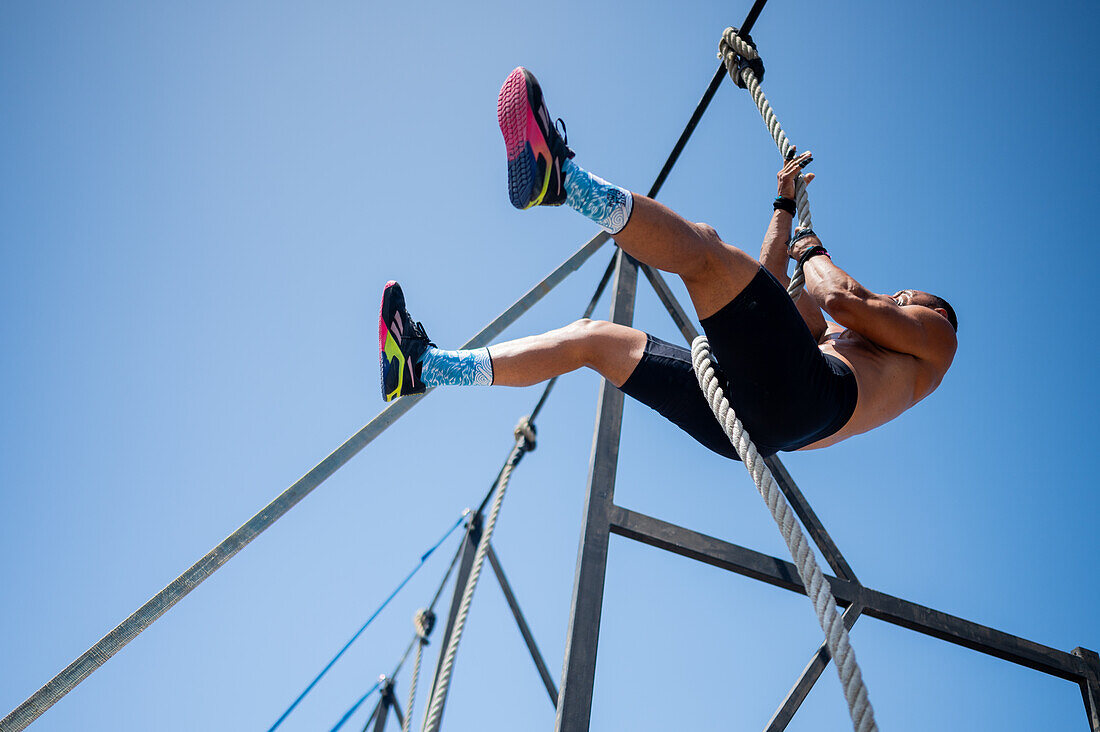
x=942 y=312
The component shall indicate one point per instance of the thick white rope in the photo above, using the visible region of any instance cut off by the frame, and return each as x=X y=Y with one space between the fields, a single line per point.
x=424 y=620
x=813 y=580
x=817 y=588
x=407 y=726
x=525 y=440
x=729 y=49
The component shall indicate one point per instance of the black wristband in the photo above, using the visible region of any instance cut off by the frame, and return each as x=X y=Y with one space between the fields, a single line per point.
x=782 y=203
x=813 y=252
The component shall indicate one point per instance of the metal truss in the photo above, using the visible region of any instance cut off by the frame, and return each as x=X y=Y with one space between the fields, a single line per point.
x=602 y=517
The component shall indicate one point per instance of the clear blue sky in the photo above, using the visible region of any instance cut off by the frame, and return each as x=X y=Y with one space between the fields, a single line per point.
x=199 y=205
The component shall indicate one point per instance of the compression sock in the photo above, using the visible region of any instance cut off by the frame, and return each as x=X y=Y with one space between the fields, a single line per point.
x=606 y=204
x=456 y=368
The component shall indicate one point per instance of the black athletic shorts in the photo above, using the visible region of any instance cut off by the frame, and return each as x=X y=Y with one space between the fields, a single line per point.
x=787 y=393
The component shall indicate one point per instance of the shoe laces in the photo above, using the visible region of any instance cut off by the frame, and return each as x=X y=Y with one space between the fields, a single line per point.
x=419 y=333
x=560 y=123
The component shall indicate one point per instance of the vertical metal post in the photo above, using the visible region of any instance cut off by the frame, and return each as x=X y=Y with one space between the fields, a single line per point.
x=1090 y=687
x=578 y=675
x=384 y=704
x=473 y=536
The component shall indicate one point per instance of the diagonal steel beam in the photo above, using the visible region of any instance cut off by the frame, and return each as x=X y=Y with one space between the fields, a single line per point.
x=810 y=520
x=809 y=676
x=524 y=629
x=672 y=305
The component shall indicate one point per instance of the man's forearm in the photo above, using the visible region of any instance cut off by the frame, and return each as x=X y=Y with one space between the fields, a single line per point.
x=830 y=285
x=773 y=256
x=773 y=252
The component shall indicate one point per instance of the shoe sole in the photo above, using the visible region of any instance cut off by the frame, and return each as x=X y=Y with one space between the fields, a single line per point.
x=387 y=343
x=523 y=139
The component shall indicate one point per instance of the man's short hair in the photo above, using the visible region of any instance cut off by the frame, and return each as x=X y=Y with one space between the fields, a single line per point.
x=939 y=302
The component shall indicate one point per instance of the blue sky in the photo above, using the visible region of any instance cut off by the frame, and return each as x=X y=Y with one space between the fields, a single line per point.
x=199 y=206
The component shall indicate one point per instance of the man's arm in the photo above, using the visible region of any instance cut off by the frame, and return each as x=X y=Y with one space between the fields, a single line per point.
x=773 y=252
x=913 y=329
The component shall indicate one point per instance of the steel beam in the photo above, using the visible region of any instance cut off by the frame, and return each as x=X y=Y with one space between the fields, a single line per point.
x=579 y=672
x=708 y=95
x=469 y=549
x=384 y=703
x=1090 y=687
x=879 y=605
x=809 y=676
x=524 y=629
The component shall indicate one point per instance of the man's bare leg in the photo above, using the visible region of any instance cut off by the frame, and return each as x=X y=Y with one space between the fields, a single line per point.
x=713 y=271
x=612 y=350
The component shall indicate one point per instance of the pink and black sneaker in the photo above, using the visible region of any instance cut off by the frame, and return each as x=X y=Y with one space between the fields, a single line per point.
x=401 y=343
x=535 y=149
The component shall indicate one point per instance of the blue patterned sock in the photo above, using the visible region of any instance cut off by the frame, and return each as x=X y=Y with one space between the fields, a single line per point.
x=456 y=368
x=606 y=204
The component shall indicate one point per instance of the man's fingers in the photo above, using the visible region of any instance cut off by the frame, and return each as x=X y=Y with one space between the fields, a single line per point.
x=807 y=178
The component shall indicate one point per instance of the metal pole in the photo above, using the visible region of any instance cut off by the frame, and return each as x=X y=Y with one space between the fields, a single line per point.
x=473 y=536
x=783 y=574
x=524 y=629
x=708 y=95
x=809 y=676
x=578 y=676
x=384 y=706
x=1090 y=686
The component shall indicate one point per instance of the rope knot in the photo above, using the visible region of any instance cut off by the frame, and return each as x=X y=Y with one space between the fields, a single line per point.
x=424 y=621
x=739 y=53
x=525 y=431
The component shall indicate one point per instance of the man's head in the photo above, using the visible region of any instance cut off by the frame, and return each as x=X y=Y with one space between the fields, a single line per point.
x=928 y=300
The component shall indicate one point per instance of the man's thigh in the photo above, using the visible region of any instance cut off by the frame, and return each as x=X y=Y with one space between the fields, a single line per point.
x=728 y=271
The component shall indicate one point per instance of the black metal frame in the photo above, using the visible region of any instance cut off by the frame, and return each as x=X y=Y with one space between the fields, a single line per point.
x=602 y=517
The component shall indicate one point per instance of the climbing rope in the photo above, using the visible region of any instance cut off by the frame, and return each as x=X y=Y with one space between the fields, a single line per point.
x=424 y=621
x=743 y=63
x=817 y=588
x=745 y=68
x=525 y=441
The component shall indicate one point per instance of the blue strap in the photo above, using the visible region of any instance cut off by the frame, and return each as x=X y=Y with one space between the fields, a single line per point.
x=423 y=559
x=348 y=713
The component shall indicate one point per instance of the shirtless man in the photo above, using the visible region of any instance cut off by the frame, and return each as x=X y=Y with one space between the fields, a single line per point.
x=796 y=381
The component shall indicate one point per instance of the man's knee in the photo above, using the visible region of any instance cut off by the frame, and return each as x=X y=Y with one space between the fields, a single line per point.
x=589 y=334
x=597 y=341
x=709 y=253
x=707 y=233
